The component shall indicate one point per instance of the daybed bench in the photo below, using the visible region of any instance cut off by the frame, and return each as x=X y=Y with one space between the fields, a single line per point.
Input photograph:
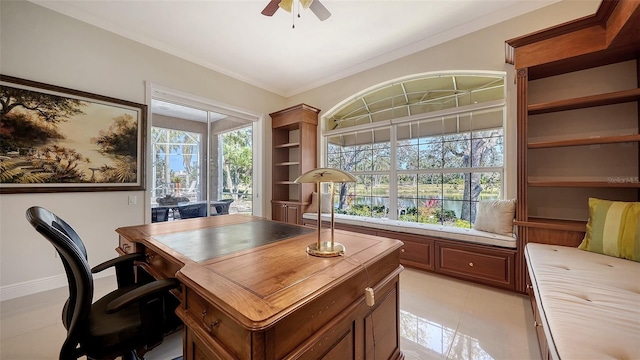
x=469 y=254
x=586 y=305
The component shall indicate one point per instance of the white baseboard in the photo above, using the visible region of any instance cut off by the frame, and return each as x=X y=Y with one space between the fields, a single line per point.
x=39 y=285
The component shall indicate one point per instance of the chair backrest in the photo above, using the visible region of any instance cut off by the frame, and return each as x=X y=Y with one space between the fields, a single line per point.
x=74 y=258
x=192 y=210
x=224 y=209
x=159 y=214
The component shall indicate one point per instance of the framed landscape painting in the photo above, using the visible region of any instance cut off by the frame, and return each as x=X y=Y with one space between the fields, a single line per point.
x=54 y=139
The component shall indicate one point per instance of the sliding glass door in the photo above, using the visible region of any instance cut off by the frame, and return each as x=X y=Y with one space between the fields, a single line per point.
x=231 y=175
x=176 y=163
x=202 y=162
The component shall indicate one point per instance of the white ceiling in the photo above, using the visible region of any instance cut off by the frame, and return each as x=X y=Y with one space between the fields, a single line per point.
x=233 y=38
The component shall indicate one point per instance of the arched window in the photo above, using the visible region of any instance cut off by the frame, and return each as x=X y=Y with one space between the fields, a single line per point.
x=424 y=148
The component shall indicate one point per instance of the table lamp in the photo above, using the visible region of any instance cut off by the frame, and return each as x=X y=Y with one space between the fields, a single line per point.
x=318 y=176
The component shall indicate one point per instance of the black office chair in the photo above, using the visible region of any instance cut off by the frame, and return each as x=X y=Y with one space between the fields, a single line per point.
x=192 y=210
x=159 y=214
x=126 y=322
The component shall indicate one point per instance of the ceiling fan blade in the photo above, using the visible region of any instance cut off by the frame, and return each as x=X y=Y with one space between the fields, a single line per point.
x=271 y=8
x=321 y=12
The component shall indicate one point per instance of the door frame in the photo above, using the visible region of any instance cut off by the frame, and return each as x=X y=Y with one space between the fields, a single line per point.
x=155 y=91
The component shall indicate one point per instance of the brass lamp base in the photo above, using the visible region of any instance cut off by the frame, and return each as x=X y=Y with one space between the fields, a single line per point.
x=325 y=249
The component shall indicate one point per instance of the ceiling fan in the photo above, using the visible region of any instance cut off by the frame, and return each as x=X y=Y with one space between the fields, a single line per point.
x=316 y=7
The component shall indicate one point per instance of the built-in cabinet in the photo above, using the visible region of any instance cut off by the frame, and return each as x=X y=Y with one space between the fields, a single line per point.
x=577 y=116
x=483 y=264
x=578 y=110
x=294 y=152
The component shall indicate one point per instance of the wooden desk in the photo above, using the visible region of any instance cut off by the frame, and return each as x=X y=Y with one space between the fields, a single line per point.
x=252 y=292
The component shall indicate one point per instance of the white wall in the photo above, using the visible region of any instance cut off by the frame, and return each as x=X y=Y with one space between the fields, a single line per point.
x=41 y=45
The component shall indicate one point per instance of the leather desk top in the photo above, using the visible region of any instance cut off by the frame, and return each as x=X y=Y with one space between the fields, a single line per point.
x=208 y=243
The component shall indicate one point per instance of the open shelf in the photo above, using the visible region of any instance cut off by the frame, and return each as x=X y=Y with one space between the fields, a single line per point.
x=287 y=163
x=287 y=145
x=555 y=224
x=287 y=182
x=622 y=183
x=581 y=142
x=617 y=97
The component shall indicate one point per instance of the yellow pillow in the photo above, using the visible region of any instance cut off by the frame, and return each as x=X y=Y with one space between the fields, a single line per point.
x=613 y=229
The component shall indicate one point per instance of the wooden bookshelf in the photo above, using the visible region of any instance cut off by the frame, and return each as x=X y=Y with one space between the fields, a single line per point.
x=294 y=134
x=587 y=63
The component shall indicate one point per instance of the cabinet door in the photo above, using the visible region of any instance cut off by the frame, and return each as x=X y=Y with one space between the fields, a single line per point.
x=278 y=212
x=381 y=337
x=292 y=214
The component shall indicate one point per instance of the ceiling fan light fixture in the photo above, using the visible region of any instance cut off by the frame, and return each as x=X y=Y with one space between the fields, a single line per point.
x=286 y=5
x=305 y=3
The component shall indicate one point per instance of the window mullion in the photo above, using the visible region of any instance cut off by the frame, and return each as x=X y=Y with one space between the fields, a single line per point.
x=393 y=174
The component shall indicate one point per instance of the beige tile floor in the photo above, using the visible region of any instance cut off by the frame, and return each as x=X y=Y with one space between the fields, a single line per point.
x=441 y=318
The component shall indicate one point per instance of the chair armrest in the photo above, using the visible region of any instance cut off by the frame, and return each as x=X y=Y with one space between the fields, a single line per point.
x=149 y=290
x=130 y=258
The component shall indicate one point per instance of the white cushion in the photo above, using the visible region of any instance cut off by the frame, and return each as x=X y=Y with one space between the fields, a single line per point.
x=589 y=303
x=495 y=216
x=441 y=231
x=326 y=203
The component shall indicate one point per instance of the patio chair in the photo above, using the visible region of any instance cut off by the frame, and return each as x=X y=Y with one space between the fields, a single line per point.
x=159 y=214
x=192 y=210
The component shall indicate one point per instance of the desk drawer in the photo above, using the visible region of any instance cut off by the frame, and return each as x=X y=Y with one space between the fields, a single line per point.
x=490 y=266
x=158 y=266
x=221 y=330
x=128 y=247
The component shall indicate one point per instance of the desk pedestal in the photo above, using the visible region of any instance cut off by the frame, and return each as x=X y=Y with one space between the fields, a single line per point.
x=338 y=325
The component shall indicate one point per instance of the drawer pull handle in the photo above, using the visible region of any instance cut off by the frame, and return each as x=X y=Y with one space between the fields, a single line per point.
x=211 y=325
x=125 y=247
x=403 y=250
x=536 y=323
x=471 y=264
x=149 y=257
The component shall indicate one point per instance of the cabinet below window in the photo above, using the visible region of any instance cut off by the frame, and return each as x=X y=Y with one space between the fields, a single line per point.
x=488 y=266
x=483 y=264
